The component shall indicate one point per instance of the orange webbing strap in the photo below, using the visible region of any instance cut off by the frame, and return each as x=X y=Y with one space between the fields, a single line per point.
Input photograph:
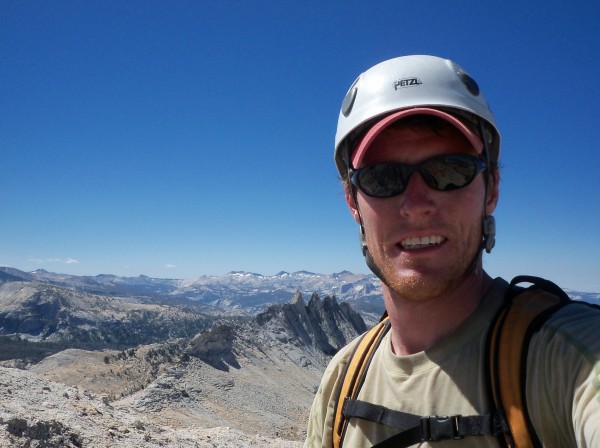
x=508 y=358
x=354 y=374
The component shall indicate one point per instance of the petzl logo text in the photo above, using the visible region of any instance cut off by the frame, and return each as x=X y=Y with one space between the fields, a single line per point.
x=407 y=82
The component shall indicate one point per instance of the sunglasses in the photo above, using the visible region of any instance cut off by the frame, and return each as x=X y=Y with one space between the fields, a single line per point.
x=442 y=173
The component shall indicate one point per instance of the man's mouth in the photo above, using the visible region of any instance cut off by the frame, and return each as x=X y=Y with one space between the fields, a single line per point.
x=421 y=242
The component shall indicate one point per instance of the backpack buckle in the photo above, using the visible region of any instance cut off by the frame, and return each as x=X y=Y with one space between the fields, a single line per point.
x=435 y=428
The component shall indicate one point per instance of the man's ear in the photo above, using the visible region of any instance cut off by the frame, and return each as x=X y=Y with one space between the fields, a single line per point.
x=350 y=200
x=493 y=192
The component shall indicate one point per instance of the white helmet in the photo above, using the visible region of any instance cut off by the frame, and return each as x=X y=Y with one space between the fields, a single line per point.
x=409 y=82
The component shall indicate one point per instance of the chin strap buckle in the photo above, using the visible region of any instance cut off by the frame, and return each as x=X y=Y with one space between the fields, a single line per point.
x=436 y=428
x=489 y=233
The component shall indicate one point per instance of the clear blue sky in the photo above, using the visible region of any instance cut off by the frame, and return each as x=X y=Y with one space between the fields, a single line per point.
x=182 y=138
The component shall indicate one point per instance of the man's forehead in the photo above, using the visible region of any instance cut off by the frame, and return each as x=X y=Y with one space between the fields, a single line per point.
x=413 y=141
x=390 y=120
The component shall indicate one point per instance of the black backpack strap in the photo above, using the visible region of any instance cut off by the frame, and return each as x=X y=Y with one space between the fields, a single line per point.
x=536 y=283
x=422 y=429
x=379 y=414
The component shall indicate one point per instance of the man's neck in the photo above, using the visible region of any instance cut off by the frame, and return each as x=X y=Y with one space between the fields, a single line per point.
x=418 y=325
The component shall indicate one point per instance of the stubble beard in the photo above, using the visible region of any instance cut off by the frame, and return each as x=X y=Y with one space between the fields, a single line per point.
x=416 y=281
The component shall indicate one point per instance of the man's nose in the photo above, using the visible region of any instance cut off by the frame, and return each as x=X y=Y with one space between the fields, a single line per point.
x=417 y=197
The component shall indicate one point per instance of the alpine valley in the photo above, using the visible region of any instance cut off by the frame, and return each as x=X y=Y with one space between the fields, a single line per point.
x=214 y=361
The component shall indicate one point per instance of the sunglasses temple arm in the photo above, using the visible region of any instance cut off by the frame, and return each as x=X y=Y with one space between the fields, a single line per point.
x=354 y=194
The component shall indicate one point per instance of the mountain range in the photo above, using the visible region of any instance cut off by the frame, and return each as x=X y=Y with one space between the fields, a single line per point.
x=242 y=291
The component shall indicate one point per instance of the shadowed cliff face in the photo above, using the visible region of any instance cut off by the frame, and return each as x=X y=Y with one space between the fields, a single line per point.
x=38 y=314
x=318 y=330
x=322 y=324
x=50 y=314
x=215 y=347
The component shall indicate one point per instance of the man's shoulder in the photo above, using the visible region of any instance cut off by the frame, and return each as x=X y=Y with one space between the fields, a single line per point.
x=576 y=318
x=560 y=311
x=571 y=331
x=566 y=310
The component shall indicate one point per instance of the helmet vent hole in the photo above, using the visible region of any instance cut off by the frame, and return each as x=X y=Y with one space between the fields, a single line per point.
x=349 y=99
x=469 y=82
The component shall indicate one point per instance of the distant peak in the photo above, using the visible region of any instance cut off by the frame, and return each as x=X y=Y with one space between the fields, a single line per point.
x=314 y=300
x=298 y=300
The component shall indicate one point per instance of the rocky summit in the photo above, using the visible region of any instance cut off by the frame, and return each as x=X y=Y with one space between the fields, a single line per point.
x=239 y=381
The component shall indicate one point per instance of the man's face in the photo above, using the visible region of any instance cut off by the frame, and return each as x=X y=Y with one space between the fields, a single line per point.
x=423 y=240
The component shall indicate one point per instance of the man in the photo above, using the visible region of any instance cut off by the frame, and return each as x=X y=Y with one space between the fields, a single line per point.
x=417 y=149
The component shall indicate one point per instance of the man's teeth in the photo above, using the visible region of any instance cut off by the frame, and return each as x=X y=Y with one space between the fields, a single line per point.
x=420 y=242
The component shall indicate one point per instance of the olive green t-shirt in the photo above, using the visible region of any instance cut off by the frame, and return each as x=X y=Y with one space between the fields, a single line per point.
x=563 y=381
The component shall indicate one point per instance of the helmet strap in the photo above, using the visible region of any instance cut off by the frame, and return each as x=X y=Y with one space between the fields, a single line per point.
x=369 y=259
x=362 y=235
x=489 y=222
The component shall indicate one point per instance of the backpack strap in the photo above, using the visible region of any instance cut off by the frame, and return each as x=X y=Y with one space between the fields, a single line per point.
x=523 y=313
x=431 y=428
x=354 y=374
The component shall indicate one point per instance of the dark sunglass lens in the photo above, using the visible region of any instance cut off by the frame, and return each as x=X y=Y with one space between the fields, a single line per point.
x=449 y=172
x=382 y=180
